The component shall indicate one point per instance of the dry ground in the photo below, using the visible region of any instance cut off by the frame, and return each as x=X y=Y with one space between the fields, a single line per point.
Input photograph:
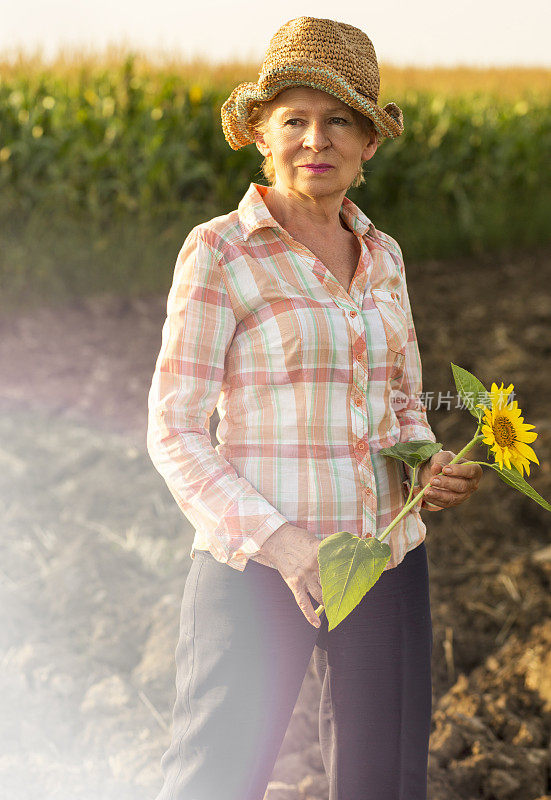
x=94 y=554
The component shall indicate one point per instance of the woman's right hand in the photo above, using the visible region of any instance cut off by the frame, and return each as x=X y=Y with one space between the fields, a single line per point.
x=294 y=552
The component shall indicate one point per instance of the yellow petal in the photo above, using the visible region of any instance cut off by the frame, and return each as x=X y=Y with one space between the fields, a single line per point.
x=527 y=436
x=526 y=451
x=524 y=461
x=518 y=463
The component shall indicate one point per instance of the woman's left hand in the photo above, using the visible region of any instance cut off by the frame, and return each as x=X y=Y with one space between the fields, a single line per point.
x=451 y=489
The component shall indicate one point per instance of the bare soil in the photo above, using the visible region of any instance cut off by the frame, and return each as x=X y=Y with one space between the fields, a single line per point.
x=95 y=552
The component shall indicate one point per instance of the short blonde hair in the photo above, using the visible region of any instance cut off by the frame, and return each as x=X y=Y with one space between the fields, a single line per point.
x=259 y=115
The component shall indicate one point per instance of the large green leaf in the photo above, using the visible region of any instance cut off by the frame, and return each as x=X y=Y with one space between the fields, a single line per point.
x=513 y=478
x=414 y=452
x=349 y=567
x=470 y=389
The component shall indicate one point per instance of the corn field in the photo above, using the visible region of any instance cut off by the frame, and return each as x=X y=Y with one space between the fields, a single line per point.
x=95 y=148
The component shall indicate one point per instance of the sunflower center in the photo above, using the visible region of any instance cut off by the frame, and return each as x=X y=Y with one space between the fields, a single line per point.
x=504 y=431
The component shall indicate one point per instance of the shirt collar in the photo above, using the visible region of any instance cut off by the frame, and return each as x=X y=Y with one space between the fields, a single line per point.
x=254 y=214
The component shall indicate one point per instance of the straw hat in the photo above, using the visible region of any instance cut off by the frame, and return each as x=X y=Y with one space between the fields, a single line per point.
x=328 y=55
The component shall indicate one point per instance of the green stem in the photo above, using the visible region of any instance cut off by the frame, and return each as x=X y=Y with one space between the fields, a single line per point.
x=474 y=441
x=412 y=482
x=411 y=502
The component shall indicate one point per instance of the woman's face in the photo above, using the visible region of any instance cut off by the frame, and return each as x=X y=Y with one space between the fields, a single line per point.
x=305 y=127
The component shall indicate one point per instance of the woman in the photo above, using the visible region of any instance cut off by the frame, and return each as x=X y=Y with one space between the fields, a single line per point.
x=291 y=316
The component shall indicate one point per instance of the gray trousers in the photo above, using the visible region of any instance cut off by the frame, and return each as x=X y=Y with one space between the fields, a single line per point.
x=242 y=654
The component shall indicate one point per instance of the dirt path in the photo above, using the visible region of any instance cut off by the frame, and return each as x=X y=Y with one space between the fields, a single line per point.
x=94 y=556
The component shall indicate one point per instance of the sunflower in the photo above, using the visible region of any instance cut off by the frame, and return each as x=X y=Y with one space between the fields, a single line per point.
x=506 y=432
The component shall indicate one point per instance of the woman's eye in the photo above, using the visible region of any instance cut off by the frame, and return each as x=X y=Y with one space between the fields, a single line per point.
x=291 y=121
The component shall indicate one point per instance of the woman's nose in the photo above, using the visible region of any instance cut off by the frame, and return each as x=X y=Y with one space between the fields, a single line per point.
x=316 y=136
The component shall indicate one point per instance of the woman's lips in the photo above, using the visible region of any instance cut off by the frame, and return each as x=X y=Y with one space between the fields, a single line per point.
x=317 y=167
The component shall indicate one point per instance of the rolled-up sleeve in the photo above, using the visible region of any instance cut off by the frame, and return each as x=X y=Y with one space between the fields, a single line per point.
x=233 y=516
x=412 y=417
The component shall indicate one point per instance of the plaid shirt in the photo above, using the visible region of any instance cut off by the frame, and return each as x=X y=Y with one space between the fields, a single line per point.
x=303 y=374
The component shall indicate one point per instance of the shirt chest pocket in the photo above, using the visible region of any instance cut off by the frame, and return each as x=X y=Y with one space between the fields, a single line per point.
x=393 y=317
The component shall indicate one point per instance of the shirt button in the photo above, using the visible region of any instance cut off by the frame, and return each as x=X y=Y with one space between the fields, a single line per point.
x=358 y=401
x=359 y=357
x=352 y=313
x=361 y=445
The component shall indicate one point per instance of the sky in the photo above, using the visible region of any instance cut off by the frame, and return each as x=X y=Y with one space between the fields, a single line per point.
x=421 y=33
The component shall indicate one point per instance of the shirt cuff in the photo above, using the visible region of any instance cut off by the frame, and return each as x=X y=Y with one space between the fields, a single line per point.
x=252 y=544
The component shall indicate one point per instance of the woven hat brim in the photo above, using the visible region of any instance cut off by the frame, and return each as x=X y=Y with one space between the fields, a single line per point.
x=237 y=108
